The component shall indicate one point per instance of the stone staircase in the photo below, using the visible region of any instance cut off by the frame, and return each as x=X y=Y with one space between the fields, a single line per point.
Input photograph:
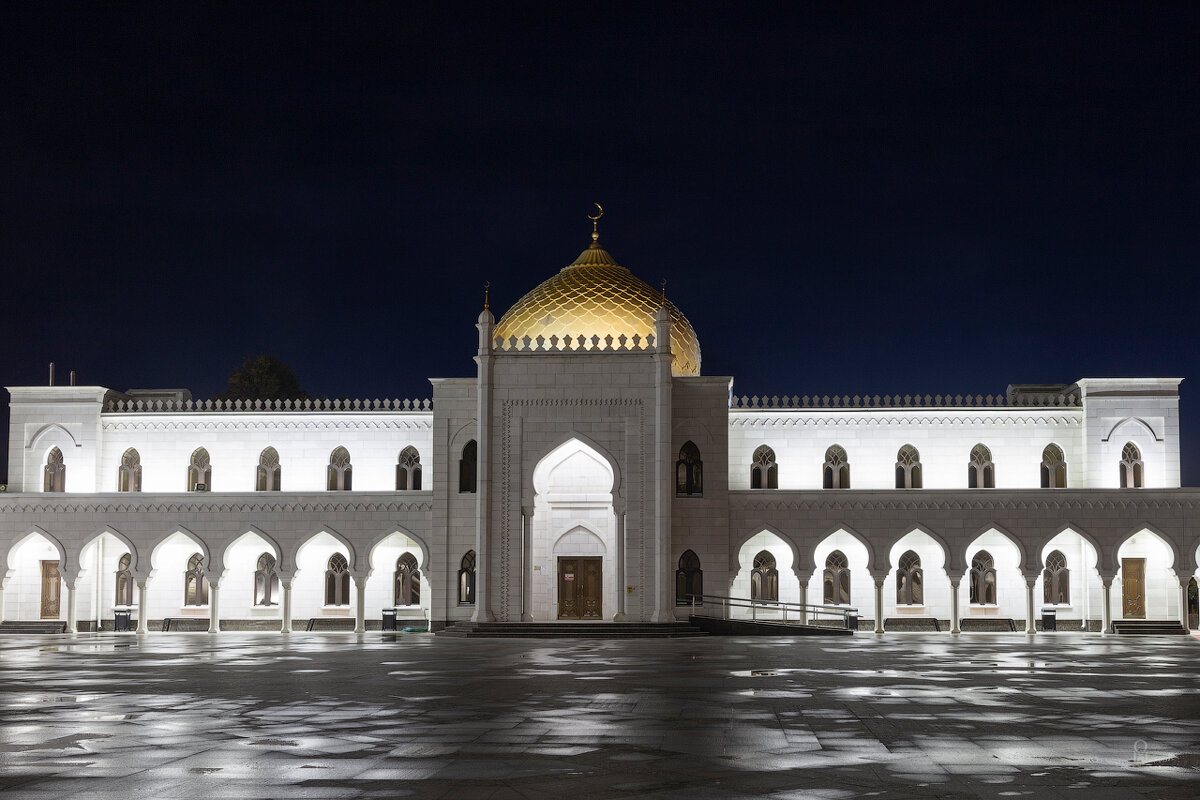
x=33 y=626
x=912 y=624
x=988 y=625
x=570 y=630
x=1149 y=627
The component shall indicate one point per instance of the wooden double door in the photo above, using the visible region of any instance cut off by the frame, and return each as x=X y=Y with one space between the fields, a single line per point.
x=51 y=590
x=580 y=587
x=1133 y=588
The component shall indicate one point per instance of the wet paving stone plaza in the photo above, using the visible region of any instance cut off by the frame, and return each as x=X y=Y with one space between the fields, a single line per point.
x=416 y=715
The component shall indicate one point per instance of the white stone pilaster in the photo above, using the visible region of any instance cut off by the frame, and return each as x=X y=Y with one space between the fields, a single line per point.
x=1183 y=615
x=664 y=469
x=360 y=603
x=143 y=607
x=526 y=565
x=214 y=607
x=483 y=476
x=72 y=623
x=285 y=625
x=620 y=615
x=803 y=602
x=879 y=604
x=954 y=618
x=1030 y=626
x=1106 y=619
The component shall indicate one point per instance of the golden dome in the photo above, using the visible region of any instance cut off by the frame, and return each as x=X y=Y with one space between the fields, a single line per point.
x=596 y=296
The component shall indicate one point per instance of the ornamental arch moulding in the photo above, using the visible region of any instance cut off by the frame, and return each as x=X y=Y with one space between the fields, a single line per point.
x=1179 y=560
x=801 y=557
x=355 y=567
x=1100 y=564
x=56 y=432
x=530 y=469
x=66 y=567
x=695 y=430
x=136 y=567
x=948 y=564
x=1029 y=568
x=1136 y=423
x=173 y=530
x=386 y=533
x=872 y=566
x=219 y=567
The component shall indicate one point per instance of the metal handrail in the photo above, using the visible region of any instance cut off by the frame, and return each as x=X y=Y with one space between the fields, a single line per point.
x=801 y=611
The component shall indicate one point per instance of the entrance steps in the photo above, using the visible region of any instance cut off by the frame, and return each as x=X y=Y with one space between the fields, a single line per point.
x=571 y=630
x=1149 y=627
x=747 y=627
x=988 y=625
x=33 y=626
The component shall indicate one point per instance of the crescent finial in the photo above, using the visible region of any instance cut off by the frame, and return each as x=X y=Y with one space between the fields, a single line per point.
x=595 y=218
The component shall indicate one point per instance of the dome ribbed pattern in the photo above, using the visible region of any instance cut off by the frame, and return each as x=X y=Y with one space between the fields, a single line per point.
x=596 y=296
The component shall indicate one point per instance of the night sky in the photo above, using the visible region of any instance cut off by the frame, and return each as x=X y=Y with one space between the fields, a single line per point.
x=844 y=198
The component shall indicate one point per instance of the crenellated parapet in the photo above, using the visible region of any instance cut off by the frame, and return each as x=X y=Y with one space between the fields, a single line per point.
x=576 y=344
x=172 y=406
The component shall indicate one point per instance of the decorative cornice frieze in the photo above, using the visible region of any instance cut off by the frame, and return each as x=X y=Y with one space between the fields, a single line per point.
x=16 y=504
x=407 y=423
x=1056 y=500
x=773 y=418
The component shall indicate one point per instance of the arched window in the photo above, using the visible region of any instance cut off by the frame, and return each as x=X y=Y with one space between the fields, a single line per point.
x=837 y=578
x=408 y=581
x=764 y=578
x=269 y=471
x=1131 y=467
x=408 y=470
x=910 y=580
x=195 y=584
x=689 y=471
x=337 y=581
x=908 y=468
x=1056 y=580
x=466 y=580
x=124 y=581
x=468 y=467
x=764 y=473
x=981 y=474
x=983 y=579
x=340 y=474
x=54 y=476
x=1054 y=468
x=199 y=471
x=266 y=581
x=837 y=468
x=689 y=579
x=129 y=474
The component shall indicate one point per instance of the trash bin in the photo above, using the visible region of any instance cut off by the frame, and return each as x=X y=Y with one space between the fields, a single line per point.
x=1049 y=619
x=122 y=616
x=389 y=619
x=852 y=621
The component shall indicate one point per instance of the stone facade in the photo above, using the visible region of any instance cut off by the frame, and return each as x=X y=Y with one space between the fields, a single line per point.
x=572 y=448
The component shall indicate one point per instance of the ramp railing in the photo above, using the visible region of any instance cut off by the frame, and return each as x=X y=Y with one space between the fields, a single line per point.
x=773 y=611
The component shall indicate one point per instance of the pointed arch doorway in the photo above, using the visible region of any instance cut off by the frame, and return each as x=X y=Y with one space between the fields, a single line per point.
x=573 y=553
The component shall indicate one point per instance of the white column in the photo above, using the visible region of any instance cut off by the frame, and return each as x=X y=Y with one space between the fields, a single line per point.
x=483 y=508
x=954 y=583
x=664 y=475
x=620 y=615
x=1030 y=627
x=1 y=602
x=879 y=604
x=72 y=626
x=803 y=602
x=286 y=624
x=360 y=609
x=526 y=565
x=1106 y=619
x=1183 y=617
x=214 y=610
x=143 y=607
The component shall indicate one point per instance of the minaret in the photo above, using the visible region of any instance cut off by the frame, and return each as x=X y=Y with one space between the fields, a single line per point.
x=483 y=494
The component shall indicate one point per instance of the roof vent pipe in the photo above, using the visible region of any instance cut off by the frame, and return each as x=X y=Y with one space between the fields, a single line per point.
x=51 y=373
x=72 y=377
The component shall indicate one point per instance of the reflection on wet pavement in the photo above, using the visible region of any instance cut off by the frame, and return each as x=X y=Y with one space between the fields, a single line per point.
x=414 y=715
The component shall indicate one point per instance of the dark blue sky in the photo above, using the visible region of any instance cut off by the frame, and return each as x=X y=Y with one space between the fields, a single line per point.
x=844 y=197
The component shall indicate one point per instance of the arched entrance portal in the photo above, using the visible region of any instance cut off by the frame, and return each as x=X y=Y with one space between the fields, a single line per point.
x=573 y=547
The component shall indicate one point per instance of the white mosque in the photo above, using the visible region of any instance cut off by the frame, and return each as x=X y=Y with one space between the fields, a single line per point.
x=589 y=471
